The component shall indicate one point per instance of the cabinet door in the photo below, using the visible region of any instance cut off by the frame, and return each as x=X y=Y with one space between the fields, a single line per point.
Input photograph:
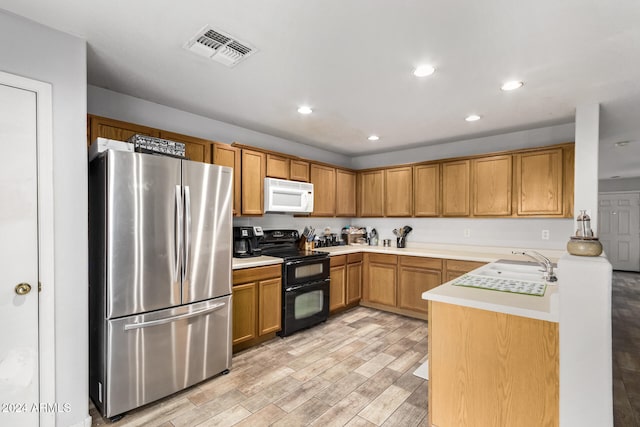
x=539 y=181
x=426 y=190
x=197 y=149
x=244 y=312
x=270 y=306
x=455 y=188
x=323 y=179
x=116 y=129
x=398 y=195
x=345 y=193
x=337 y=288
x=412 y=282
x=253 y=171
x=277 y=166
x=226 y=155
x=354 y=282
x=379 y=285
x=299 y=170
x=371 y=193
x=491 y=177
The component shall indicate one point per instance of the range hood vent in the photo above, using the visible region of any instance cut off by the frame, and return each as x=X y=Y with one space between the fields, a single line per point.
x=219 y=46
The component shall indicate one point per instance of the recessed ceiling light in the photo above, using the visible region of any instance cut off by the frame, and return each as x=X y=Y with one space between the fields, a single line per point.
x=512 y=85
x=472 y=118
x=424 y=70
x=305 y=110
x=373 y=138
x=622 y=143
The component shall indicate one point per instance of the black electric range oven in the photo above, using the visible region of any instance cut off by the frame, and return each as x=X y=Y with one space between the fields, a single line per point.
x=305 y=280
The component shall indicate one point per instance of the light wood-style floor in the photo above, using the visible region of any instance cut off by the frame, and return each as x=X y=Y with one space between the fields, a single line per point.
x=354 y=370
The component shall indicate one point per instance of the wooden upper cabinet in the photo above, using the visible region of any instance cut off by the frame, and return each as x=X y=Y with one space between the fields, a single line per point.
x=196 y=149
x=491 y=178
x=345 y=193
x=226 y=155
x=568 y=153
x=371 y=193
x=253 y=173
x=323 y=179
x=277 y=166
x=116 y=129
x=398 y=194
x=299 y=170
x=426 y=190
x=539 y=181
x=455 y=188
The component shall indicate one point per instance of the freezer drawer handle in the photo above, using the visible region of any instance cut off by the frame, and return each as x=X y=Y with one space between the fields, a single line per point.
x=215 y=307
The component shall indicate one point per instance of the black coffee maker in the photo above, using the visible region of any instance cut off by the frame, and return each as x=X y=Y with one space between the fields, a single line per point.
x=245 y=241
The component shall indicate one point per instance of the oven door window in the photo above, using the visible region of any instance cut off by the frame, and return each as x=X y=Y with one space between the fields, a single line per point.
x=308 y=271
x=308 y=304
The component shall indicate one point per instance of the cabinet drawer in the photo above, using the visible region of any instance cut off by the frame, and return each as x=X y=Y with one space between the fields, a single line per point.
x=383 y=258
x=421 y=262
x=246 y=275
x=465 y=266
x=337 y=260
x=351 y=258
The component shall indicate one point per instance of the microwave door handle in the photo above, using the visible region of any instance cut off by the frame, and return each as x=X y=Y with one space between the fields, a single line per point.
x=178 y=232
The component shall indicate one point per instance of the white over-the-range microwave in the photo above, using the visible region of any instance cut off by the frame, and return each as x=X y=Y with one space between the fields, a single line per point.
x=287 y=196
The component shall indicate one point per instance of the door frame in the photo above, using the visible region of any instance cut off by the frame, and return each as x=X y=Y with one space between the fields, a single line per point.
x=46 y=265
x=617 y=192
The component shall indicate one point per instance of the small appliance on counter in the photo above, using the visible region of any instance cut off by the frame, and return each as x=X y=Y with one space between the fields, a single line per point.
x=584 y=243
x=245 y=241
x=354 y=235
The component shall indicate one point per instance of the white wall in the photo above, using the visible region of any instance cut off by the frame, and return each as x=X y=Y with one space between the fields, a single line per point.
x=103 y=102
x=507 y=141
x=512 y=232
x=586 y=161
x=623 y=184
x=37 y=52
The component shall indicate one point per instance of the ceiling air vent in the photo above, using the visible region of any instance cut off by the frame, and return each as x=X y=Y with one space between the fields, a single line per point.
x=219 y=46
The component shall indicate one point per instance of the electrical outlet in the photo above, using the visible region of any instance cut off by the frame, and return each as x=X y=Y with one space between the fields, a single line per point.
x=467 y=232
x=545 y=234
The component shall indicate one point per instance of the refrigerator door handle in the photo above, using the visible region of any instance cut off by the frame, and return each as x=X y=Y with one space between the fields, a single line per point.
x=178 y=231
x=187 y=233
x=214 y=307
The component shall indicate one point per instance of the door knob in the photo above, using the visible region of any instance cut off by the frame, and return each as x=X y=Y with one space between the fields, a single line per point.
x=23 y=288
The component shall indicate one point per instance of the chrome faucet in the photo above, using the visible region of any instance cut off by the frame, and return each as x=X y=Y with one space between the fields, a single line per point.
x=547 y=273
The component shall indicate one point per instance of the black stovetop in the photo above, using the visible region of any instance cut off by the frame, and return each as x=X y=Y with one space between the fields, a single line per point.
x=284 y=244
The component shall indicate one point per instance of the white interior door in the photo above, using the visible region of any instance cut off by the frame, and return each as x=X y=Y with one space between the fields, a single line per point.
x=619 y=229
x=19 y=255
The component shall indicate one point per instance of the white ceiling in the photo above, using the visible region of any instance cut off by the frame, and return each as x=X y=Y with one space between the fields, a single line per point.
x=352 y=62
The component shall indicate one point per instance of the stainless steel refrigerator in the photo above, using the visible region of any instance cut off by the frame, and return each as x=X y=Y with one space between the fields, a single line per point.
x=160 y=243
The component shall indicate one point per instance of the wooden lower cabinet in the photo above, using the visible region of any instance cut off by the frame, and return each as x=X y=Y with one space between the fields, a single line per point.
x=338 y=284
x=506 y=367
x=257 y=305
x=354 y=278
x=346 y=281
x=380 y=279
x=415 y=276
